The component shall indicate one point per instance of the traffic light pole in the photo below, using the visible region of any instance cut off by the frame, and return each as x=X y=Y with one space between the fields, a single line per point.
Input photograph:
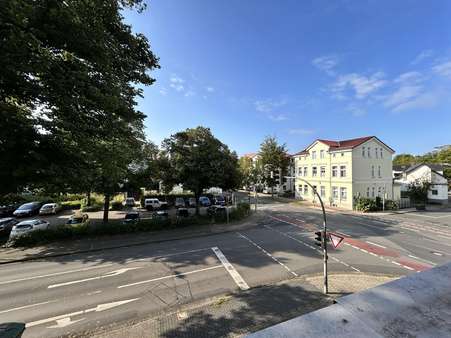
x=323 y=235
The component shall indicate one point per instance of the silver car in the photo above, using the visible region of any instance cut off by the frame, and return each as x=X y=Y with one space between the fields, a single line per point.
x=49 y=209
x=26 y=227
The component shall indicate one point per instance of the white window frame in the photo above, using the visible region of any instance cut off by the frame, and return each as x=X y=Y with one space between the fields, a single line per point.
x=375 y=153
x=382 y=153
x=368 y=192
x=314 y=171
x=322 y=191
x=321 y=153
x=334 y=171
x=342 y=171
x=343 y=193
x=322 y=171
x=373 y=191
x=363 y=151
x=305 y=171
x=305 y=189
x=314 y=155
x=379 y=171
x=372 y=171
x=369 y=152
x=335 y=192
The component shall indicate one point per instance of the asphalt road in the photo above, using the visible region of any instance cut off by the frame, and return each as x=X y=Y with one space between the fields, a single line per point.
x=72 y=294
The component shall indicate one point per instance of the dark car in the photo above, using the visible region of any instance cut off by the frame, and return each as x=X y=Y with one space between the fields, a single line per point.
x=216 y=210
x=6 y=225
x=7 y=210
x=219 y=200
x=28 y=209
x=182 y=212
x=131 y=217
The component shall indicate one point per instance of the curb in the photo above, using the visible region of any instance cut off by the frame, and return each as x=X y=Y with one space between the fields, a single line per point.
x=73 y=252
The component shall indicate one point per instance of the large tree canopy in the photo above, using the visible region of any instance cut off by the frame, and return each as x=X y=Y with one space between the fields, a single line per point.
x=198 y=161
x=71 y=72
x=273 y=158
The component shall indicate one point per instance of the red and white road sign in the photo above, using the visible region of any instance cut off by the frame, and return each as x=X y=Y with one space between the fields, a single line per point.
x=335 y=239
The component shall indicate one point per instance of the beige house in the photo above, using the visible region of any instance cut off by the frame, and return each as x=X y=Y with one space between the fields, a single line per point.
x=342 y=170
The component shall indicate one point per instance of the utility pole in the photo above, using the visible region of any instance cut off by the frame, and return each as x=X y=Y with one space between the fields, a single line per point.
x=323 y=234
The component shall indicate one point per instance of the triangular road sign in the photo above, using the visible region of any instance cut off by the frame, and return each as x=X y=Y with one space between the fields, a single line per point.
x=335 y=239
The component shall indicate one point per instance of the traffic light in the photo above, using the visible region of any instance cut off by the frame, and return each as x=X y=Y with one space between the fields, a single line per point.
x=319 y=238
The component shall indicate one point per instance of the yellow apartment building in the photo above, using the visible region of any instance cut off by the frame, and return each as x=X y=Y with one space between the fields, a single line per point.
x=342 y=170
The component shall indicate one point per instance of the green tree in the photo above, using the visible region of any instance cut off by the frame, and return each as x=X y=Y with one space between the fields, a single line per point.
x=71 y=70
x=198 y=161
x=418 y=191
x=404 y=159
x=274 y=159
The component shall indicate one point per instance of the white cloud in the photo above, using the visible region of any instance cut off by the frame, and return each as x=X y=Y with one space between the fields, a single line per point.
x=326 y=63
x=177 y=83
x=210 y=89
x=300 y=131
x=423 y=55
x=423 y=101
x=355 y=110
x=443 y=69
x=403 y=95
x=189 y=93
x=277 y=117
x=268 y=105
x=163 y=91
x=360 y=84
x=409 y=78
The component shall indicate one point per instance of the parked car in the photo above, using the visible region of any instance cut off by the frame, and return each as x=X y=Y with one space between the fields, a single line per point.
x=160 y=214
x=25 y=227
x=78 y=219
x=154 y=203
x=182 y=212
x=8 y=210
x=129 y=202
x=131 y=217
x=219 y=200
x=50 y=209
x=28 y=209
x=204 y=201
x=216 y=210
x=6 y=225
x=179 y=202
x=192 y=202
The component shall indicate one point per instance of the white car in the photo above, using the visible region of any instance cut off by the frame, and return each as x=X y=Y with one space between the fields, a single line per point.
x=129 y=202
x=49 y=209
x=26 y=227
x=154 y=203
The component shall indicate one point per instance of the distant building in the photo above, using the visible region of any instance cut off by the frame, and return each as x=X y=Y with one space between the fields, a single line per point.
x=342 y=170
x=432 y=173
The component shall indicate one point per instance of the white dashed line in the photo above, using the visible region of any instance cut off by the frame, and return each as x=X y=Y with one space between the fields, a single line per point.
x=230 y=269
x=422 y=259
x=375 y=244
x=268 y=254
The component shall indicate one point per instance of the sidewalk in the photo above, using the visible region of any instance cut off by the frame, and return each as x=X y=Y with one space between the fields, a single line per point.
x=92 y=244
x=244 y=312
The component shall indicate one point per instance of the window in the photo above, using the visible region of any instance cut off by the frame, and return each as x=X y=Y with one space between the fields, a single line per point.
x=372 y=191
x=375 y=153
x=305 y=171
x=363 y=151
x=434 y=192
x=300 y=171
x=314 y=189
x=334 y=192
x=334 y=155
x=342 y=154
x=322 y=171
x=305 y=189
x=368 y=192
x=334 y=171
x=314 y=155
x=379 y=171
x=321 y=154
x=323 y=191
x=382 y=153
x=368 y=152
x=379 y=190
x=342 y=171
x=314 y=171
x=372 y=171
x=343 y=194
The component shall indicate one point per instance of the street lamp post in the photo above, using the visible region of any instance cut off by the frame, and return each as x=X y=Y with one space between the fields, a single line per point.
x=324 y=234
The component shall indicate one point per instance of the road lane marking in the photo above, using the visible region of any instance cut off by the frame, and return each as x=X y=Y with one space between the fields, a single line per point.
x=98 y=308
x=109 y=274
x=230 y=269
x=437 y=253
x=55 y=274
x=168 y=255
x=380 y=246
x=64 y=322
x=268 y=254
x=26 y=306
x=170 y=276
x=422 y=259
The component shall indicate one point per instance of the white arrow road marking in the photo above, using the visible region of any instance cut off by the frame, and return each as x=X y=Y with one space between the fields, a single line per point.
x=98 y=308
x=55 y=274
x=230 y=269
x=109 y=274
x=64 y=322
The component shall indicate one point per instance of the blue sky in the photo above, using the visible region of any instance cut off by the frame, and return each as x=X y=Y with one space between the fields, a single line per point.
x=300 y=70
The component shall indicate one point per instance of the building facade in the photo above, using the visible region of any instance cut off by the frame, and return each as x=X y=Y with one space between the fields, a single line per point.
x=343 y=170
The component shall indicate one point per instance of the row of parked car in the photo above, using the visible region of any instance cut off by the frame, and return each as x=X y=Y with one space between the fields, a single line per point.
x=30 y=209
x=180 y=202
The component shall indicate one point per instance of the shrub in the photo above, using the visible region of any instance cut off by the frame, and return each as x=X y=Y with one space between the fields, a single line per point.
x=116 y=205
x=92 y=208
x=366 y=204
x=391 y=205
x=71 y=205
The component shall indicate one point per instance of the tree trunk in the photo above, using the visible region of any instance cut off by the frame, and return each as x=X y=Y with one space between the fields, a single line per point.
x=106 y=207
x=88 y=198
x=196 y=196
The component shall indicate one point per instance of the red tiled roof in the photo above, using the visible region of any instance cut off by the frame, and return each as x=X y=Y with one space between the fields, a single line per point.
x=250 y=155
x=345 y=144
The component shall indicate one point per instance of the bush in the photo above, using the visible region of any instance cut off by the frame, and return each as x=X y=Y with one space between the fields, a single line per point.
x=92 y=208
x=71 y=205
x=391 y=205
x=241 y=211
x=117 y=205
x=366 y=204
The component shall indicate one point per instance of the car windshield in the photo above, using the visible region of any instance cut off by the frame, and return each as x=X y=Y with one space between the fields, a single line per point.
x=24 y=226
x=75 y=220
x=47 y=206
x=131 y=216
x=26 y=206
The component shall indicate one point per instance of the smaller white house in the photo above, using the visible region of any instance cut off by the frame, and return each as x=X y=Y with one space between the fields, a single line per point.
x=432 y=173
